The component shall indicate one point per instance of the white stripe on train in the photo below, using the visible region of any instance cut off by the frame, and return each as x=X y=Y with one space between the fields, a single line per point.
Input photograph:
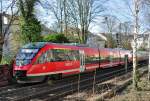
x=67 y=71
x=64 y=71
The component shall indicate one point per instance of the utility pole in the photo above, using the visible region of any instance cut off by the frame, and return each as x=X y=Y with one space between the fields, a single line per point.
x=136 y=30
x=1 y=20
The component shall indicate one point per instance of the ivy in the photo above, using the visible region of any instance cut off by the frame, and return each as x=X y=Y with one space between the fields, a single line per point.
x=29 y=25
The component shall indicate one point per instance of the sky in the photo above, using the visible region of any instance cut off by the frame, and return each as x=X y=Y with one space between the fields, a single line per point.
x=118 y=8
x=122 y=9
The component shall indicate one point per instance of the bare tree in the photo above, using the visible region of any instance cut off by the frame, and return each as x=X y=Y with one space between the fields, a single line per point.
x=88 y=11
x=126 y=32
x=57 y=9
x=135 y=14
x=5 y=31
x=83 y=13
x=147 y=16
x=65 y=5
x=75 y=13
x=111 y=23
x=136 y=31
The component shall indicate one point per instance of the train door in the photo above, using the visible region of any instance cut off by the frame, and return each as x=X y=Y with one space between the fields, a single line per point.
x=111 y=57
x=82 y=60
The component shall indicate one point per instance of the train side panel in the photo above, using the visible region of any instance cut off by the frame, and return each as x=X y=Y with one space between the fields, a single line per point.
x=64 y=61
x=54 y=59
x=92 y=59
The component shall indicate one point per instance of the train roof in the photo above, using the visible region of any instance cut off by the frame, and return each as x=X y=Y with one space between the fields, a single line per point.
x=34 y=45
x=38 y=45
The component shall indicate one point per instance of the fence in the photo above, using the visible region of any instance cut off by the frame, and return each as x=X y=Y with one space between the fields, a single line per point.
x=5 y=74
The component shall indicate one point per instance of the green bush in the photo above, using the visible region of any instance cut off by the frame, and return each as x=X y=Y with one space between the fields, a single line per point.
x=31 y=30
x=7 y=59
x=56 y=38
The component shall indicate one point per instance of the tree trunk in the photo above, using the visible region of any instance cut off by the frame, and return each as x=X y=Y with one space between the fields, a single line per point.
x=149 y=58
x=1 y=36
x=65 y=17
x=83 y=35
x=134 y=66
x=136 y=26
x=1 y=50
x=61 y=17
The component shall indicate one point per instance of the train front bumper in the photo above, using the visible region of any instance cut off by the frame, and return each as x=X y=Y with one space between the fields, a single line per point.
x=21 y=77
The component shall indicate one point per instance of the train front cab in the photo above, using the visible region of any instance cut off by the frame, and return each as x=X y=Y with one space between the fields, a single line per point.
x=24 y=60
x=23 y=64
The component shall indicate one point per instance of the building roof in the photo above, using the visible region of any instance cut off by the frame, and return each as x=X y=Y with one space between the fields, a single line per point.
x=46 y=30
x=99 y=36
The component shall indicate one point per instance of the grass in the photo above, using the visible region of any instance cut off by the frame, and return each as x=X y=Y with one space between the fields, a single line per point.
x=142 y=94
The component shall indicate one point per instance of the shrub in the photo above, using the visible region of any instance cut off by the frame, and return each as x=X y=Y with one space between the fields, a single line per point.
x=56 y=38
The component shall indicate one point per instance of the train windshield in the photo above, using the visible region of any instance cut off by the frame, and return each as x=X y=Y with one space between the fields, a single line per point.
x=25 y=56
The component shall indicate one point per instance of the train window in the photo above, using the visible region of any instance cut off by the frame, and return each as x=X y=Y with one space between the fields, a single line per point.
x=111 y=58
x=65 y=55
x=45 y=57
x=42 y=58
x=49 y=56
x=104 y=59
x=91 y=59
x=74 y=55
x=59 y=55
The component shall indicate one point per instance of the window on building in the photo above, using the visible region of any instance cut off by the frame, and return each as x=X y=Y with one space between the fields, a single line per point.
x=5 y=20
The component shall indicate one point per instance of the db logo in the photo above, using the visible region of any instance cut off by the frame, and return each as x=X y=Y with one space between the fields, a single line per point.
x=68 y=64
x=44 y=67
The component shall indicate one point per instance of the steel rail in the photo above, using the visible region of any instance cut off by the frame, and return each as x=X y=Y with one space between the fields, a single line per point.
x=59 y=94
x=33 y=93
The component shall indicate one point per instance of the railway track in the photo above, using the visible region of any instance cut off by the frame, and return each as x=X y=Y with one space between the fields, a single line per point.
x=58 y=95
x=46 y=92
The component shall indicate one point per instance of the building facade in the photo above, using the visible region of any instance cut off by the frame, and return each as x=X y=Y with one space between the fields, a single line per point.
x=96 y=40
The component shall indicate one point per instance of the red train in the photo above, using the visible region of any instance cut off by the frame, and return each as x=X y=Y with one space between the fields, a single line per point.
x=37 y=61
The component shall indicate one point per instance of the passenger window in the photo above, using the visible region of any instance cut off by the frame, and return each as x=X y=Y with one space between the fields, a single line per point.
x=74 y=55
x=65 y=55
x=49 y=57
x=42 y=58
x=59 y=55
x=45 y=57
